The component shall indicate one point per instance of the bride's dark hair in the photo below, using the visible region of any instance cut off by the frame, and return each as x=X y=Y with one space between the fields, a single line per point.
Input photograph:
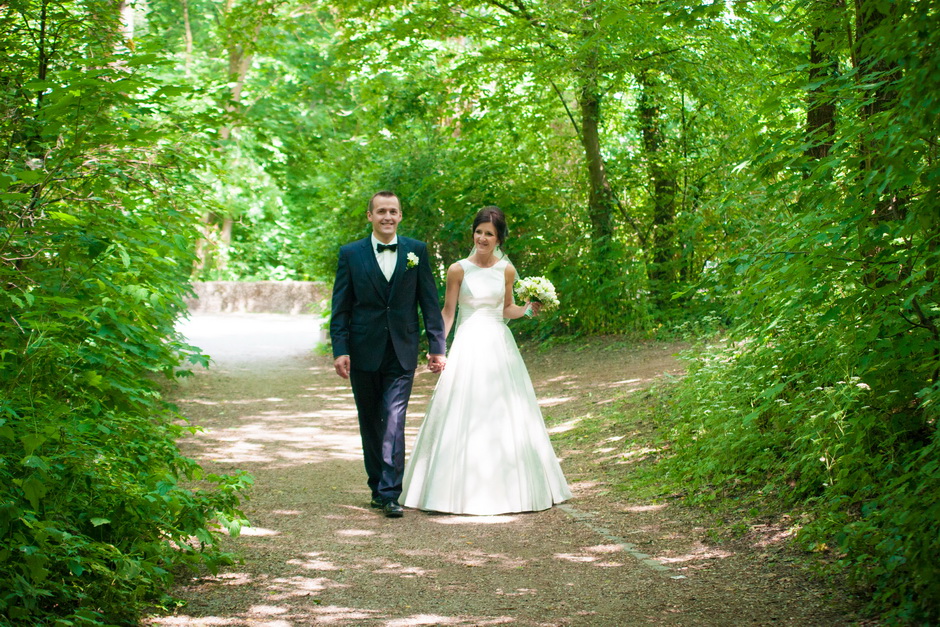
x=493 y=214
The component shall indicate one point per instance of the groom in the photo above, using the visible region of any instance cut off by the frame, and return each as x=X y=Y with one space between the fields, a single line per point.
x=380 y=282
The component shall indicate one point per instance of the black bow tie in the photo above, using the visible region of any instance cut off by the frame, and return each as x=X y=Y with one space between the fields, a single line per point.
x=382 y=247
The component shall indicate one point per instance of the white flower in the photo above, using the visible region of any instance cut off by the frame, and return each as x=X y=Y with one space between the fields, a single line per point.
x=538 y=289
x=412 y=260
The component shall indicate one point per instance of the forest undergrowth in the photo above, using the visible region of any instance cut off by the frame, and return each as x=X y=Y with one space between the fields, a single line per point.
x=809 y=457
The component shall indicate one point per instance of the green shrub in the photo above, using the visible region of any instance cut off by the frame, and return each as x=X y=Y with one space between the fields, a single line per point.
x=98 y=507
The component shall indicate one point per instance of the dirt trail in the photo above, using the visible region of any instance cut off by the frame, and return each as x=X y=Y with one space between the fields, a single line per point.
x=317 y=554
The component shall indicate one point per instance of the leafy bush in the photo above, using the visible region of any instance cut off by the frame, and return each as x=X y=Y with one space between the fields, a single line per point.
x=97 y=505
x=827 y=392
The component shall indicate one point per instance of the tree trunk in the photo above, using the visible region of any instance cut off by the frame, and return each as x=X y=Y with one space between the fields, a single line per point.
x=820 y=109
x=663 y=183
x=601 y=197
x=187 y=35
x=874 y=70
x=127 y=22
x=239 y=62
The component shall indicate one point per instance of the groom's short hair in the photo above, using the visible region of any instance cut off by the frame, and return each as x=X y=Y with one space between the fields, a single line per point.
x=384 y=194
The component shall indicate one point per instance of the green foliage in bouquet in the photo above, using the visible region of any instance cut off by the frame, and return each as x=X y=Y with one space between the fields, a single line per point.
x=98 y=507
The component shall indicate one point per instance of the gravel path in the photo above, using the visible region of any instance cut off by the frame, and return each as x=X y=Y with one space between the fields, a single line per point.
x=317 y=554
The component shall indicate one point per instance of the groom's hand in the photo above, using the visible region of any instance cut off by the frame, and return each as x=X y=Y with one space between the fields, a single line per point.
x=342 y=366
x=436 y=363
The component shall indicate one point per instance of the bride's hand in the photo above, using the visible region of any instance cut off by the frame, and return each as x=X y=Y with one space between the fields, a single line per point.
x=436 y=363
x=534 y=308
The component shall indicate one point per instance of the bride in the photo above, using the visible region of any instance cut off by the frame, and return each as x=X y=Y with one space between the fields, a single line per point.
x=483 y=448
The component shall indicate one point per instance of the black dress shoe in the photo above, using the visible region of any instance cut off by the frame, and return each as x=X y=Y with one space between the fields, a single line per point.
x=376 y=503
x=393 y=510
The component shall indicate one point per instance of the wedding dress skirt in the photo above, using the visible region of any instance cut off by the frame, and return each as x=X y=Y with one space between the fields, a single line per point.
x=483 y=448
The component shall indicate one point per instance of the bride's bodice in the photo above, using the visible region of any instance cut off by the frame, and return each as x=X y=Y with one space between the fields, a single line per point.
x=482 y=292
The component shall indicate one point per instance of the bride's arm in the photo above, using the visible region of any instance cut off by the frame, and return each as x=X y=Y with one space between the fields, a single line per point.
x=510 y=309
x=449 y=312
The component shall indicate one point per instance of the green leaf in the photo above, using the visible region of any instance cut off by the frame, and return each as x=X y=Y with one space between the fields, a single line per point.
x=76 y=567
x=97 y=522
x=37 y=566
x=94 y=379
x=32 y=441
x=39 y=85
x=64 y=217
x=30 y=176
x=36 y=462
x=35 y=490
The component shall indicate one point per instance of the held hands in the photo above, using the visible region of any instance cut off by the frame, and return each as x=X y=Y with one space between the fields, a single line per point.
x=436 y=363
x=341 y=364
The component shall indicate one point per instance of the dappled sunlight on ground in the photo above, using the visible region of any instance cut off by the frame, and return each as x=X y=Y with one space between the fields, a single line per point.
x=313 y=562
x=466 y=557
x=258 y=532
x=482 y=558
x=434 y=619
x=259 y=616
x=595 y=555
x=604 y=548
x=283 y=588
x=518 y=592
x=584 y=488
x=338 y=615
x=771 y=534
x=263 y=442
x=278 y=438
x=576 y=557
x=448 y=519
x=194 y=621
x=636 y=452
x=394 y=568
x=552 y=402
x=645 y=508
x=698 y=554
x=565 y=426
x=355 y=532
x=230 y=579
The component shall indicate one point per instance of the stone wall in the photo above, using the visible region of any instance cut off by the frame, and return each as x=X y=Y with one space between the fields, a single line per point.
x=289 y=297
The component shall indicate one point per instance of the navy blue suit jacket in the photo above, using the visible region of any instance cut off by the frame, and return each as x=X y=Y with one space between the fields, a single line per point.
x=368 y=310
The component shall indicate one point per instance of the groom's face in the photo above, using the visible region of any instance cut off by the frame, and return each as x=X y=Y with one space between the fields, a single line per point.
x=384 y=216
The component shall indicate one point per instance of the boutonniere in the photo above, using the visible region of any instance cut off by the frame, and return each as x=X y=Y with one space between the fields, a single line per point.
x=412 y=261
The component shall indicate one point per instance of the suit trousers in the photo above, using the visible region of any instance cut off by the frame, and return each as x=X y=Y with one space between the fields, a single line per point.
x=382 y=402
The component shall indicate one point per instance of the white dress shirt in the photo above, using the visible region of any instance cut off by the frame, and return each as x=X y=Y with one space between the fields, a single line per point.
x=387 y=259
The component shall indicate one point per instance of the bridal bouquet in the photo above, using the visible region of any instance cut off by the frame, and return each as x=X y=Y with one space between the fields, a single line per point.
x=537 y=289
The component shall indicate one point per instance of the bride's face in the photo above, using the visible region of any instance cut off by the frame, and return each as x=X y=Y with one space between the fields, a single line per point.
x=485 y=238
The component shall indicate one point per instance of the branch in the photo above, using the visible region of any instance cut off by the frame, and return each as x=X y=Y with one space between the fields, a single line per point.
x=564 y=102
x=926 y=321
x=656 y=54
x=629 y=218
x=915 y=325
x=520 y=12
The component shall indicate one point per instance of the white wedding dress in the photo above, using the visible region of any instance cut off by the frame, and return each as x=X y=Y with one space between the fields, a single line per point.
x=483 y=448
